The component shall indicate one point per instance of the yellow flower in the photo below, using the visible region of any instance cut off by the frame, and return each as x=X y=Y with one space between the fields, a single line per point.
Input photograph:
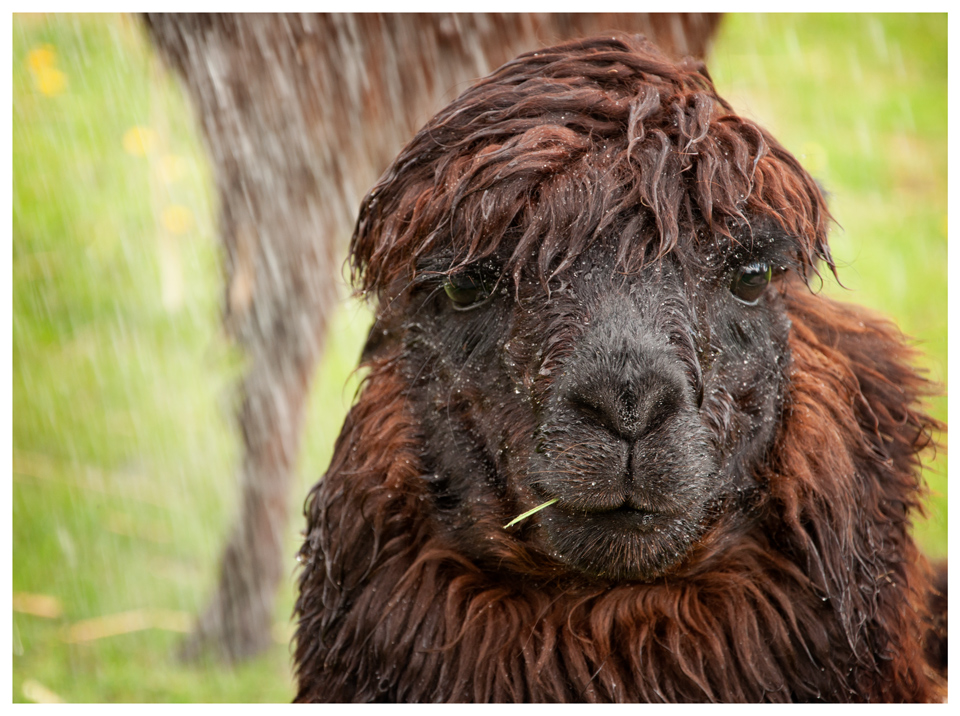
x=46 y=77
x=177 y=219
x=41 y=57
x=50 y=81
x=139 y=141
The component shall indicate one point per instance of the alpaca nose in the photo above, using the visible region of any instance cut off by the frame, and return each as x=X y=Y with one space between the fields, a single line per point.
x=629 y=408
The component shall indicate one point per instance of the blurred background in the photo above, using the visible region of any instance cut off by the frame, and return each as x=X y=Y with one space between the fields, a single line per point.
x=124 y=450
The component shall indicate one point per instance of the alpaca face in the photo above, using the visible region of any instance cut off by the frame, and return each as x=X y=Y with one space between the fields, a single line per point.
x=641 y=402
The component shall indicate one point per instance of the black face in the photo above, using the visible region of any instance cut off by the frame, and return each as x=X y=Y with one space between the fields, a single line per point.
x=636 y=403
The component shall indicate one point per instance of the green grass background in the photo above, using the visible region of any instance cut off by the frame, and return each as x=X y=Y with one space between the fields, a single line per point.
x=124 y=460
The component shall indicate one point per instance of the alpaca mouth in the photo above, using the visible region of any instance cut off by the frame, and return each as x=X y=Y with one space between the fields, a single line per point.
x=625 y=517
x=625 y=539
x=624 y=497
x=631 y=515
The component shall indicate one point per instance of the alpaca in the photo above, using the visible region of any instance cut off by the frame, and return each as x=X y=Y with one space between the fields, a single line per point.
x=611 y=446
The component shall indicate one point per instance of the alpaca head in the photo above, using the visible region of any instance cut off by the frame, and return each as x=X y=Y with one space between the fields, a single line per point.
x=580 y=265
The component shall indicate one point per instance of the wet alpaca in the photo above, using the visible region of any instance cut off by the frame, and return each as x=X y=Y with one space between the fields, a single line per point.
x=591 y=280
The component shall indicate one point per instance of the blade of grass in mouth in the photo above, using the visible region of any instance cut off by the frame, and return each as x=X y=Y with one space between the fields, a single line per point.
x=526 y=514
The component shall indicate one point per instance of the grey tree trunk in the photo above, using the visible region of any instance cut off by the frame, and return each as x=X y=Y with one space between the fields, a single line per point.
x=300 y=115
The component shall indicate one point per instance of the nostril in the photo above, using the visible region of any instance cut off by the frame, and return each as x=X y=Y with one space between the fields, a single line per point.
x=629 y=411
x=591 y=406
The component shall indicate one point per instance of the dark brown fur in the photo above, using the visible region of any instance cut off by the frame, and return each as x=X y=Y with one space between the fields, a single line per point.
x=794 y=576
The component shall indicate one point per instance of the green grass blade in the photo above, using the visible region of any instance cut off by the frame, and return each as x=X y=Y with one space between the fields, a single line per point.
x=526 y=514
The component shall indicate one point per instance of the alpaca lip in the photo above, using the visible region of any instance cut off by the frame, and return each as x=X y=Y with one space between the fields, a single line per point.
x=623 y=516
x=626 y=517
x=617 y=500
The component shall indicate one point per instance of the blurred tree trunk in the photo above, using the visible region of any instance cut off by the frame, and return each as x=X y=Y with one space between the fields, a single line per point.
x=300 y=115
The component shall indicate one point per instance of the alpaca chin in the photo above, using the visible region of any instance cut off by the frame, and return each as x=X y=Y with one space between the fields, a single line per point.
x=622 y=544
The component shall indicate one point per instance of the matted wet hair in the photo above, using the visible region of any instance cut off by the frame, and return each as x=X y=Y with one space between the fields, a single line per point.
x=586 y=138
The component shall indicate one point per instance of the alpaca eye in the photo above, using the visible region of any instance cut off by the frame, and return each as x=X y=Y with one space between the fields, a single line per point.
x=751 y=281
x=466 y=290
